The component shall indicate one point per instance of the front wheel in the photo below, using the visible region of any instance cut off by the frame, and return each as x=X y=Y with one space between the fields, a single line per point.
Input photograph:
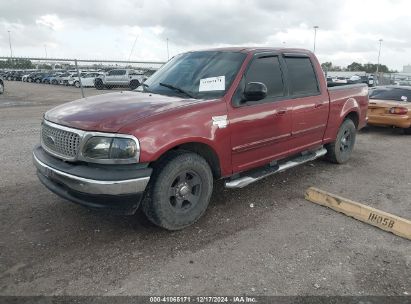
x=339 y=152
x=134 y=84
x=179 y=191
x=77 y=84
x=98 y=83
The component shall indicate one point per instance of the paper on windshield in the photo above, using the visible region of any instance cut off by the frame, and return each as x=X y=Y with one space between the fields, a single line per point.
x=212 y=84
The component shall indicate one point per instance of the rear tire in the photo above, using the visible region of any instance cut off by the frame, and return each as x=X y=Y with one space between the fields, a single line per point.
x=339 y=152
x=179 y=191
x=134 y=84
x=77 y=84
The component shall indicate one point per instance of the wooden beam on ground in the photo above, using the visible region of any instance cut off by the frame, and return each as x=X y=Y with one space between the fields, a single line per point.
x=364 y=213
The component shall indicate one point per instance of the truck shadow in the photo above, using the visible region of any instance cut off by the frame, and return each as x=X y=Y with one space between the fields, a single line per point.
x=383 y=131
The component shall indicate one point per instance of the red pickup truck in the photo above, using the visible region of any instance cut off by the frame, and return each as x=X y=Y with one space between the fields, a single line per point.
x=235 y=113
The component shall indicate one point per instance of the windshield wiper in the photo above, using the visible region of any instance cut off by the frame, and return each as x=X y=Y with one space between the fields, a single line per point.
x=170 y=86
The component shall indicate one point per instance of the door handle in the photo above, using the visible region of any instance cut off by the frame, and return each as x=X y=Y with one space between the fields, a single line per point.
x=281 y=112
x=318 y=105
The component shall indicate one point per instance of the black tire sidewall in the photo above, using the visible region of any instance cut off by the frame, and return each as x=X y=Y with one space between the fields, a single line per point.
x=134 y=84
x=161 y=212
x=348 y=124
x=98 y=83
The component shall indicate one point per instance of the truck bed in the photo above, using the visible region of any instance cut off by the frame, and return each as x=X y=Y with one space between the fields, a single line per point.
x=344 y=97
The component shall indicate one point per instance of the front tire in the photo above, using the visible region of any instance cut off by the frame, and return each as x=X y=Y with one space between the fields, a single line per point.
x=98 y=83
x=179 y=191
x=340 y=151
x=77 y=84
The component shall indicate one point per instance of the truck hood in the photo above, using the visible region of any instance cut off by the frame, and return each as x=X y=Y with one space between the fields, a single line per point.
x=110 y=112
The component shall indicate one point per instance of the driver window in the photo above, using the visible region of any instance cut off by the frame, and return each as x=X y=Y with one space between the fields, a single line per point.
x=267 y=70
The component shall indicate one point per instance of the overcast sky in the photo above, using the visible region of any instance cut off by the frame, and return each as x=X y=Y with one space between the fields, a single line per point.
x=349 y=30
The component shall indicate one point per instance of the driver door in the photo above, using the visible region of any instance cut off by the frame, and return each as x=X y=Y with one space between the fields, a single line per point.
x=260 y=130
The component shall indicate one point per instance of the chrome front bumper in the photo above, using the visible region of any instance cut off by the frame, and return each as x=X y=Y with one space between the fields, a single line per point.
x=91 y=186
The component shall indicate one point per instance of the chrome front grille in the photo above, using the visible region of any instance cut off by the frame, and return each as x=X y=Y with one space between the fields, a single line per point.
x=60 y=142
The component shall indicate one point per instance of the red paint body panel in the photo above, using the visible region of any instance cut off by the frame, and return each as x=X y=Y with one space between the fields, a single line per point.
x=254 y=136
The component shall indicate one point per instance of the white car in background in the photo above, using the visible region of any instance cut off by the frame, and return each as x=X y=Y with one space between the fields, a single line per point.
x=87 y=80
x=66 y=78
x=24 y=77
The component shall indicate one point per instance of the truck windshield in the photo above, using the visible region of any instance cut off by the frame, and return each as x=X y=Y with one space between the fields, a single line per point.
x=203 y=75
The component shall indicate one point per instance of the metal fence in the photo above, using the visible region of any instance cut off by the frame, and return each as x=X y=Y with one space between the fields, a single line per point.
x=403 y=79
x=76 y=68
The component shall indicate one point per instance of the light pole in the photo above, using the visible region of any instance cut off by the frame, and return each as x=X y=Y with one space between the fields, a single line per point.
x=378 y=62
x=45 y=50
x=379 y=53
x=11 y=50
x=315 y=34
x=132 y=49
x=168 y=53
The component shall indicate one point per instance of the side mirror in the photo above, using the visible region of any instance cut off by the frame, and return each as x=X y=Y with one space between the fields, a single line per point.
x=255 y=91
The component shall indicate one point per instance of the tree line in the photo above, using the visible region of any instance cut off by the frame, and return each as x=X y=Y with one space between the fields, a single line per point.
x=16 y=64
x=355 y=66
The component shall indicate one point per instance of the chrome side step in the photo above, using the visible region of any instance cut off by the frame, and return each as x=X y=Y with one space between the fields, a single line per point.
x=257 y=175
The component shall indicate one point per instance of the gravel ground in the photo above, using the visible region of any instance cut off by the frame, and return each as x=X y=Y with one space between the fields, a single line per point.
x=264 y=239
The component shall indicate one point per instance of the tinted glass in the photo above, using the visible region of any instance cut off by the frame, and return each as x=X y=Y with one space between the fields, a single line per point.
x=302 y=76
x=267 y=70
x=390 y=94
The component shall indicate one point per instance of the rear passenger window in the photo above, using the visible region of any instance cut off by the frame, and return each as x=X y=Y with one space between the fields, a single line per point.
x=267 y=70
x=302 y=76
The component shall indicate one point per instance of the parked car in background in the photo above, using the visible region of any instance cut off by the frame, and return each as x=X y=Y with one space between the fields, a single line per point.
x=371 y=81
x=53 y=79
x=9 y=75
x=38 y=78
x=87 y=80
x=63 y=78
x=341 y=80
x=121 y=78
x=35 y=77
x=18 y=75
x=74 y=77
x=25 y=76
x=1 y=85
x=390 y=106
x=46 y=78
x=237 y=113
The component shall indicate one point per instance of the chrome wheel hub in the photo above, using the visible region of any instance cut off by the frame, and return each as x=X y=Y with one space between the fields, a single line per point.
x=183 y=189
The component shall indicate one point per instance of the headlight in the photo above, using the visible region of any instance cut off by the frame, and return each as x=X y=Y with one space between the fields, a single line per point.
x=114 y=148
